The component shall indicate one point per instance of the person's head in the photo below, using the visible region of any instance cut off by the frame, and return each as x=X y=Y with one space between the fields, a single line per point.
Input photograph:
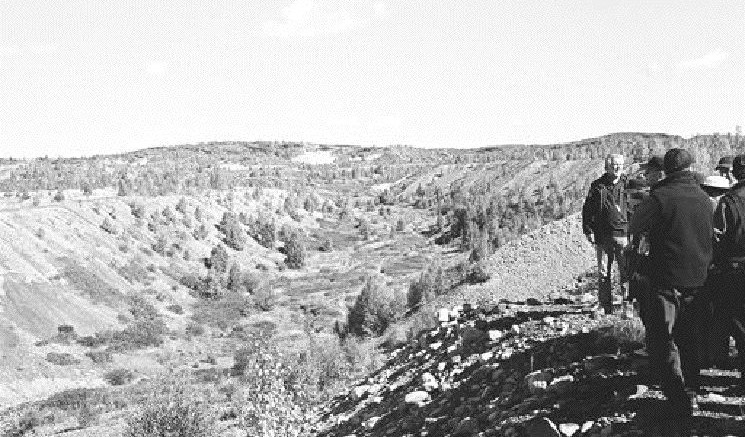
x=715 y=186
x=676 y=160
x=738 y=167
x=654 y=170
x=614 y=164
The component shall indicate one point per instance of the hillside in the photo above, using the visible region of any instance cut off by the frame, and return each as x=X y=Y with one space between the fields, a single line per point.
x=259 y=281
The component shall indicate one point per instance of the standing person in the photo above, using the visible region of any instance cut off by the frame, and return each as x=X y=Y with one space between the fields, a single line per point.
x=604 y=222
x=637 y=253
x=678 y=218
x=724 y=167
x=716 y=326
x=729 y=256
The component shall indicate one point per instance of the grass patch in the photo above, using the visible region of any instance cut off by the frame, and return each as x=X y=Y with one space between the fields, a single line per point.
x=85 y=280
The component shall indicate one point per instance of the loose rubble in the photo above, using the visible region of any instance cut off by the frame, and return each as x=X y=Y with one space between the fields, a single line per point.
x=521 y=370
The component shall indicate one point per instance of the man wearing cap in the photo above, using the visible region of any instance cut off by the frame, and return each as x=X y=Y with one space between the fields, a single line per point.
x=729 y=255
x=724 y=167
x=678 y=219
x=604 y=222
x=637 y=253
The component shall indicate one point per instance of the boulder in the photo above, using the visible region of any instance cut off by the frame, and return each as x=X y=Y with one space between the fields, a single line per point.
x=568 y=429
x=360 y=391
x=417 y=397
x=542 y=427
x=429 y=382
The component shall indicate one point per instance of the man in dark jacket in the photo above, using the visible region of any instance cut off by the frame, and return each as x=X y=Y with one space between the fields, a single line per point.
x=678 y=218
x=729 y=257
x=604 y=222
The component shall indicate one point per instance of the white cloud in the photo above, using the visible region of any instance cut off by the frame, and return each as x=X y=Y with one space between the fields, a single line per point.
x=157 y=68
x=710 y=60
x=321 y=17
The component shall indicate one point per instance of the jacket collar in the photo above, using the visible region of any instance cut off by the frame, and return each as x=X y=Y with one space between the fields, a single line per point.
x=677 y=178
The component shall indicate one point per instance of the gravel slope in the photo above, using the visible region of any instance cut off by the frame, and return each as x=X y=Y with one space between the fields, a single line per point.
x=541 y=264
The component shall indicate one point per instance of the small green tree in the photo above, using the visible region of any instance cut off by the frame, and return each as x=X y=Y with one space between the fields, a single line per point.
x=235 y=237
x=218 y=259
x=235 y=278
x=295 y=252
x=373 y=311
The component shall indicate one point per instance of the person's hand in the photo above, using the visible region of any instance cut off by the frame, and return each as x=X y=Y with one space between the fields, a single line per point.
x=590 y=238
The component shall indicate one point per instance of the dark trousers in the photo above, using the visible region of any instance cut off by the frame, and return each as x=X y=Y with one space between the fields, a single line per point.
x=717 y=324
x=733 y=307
x=675 y=343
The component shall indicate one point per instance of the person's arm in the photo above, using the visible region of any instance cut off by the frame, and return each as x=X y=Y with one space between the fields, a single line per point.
x=645 y=215
x=722 y=215
x=589 y=213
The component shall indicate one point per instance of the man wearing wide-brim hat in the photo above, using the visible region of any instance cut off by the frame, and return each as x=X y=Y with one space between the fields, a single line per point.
x=715 y=186
x=729 y=255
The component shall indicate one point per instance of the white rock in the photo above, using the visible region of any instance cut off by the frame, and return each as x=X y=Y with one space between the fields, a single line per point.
x=568 y=429
x=417 y=397
x=360 y=391
x=443 y=315
x=586 y=426
x=435 y=346
x=441 y=366
x=495 y=334
x=429 y=381
x=486 y=356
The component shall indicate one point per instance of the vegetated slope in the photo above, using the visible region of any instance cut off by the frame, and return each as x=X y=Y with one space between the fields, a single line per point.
x=534 y=366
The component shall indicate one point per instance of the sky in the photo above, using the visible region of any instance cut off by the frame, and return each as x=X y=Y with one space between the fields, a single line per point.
x=79 y=78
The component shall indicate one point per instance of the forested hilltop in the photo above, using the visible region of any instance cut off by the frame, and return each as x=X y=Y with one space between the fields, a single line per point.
x=236 y=288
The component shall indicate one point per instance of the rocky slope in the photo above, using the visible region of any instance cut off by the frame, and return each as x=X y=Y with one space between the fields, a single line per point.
x=535 y=357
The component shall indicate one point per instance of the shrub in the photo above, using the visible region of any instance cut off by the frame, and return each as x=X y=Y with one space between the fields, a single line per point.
x=137 y=210
x=218 y=259
x=173 y=413
x=160 y=246
x=429 y=285
x=294 y=252
x=477 y=274
x=264 y=231
x=373 y=311
x=264 y=297
x=119 y=376
x=100 y=357
x=40 y=233
x=195 y=329
x=235 y=278
x=176 y=309
x=18 y=424
x=181 y=206
x=62 y=358
x=59 y=196
x=326 y=246
x=235 y=238
x=201 y=232
x=108 y=226
x=134 y=272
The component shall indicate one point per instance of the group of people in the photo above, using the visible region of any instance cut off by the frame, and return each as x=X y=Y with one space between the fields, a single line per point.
x=678 y=239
